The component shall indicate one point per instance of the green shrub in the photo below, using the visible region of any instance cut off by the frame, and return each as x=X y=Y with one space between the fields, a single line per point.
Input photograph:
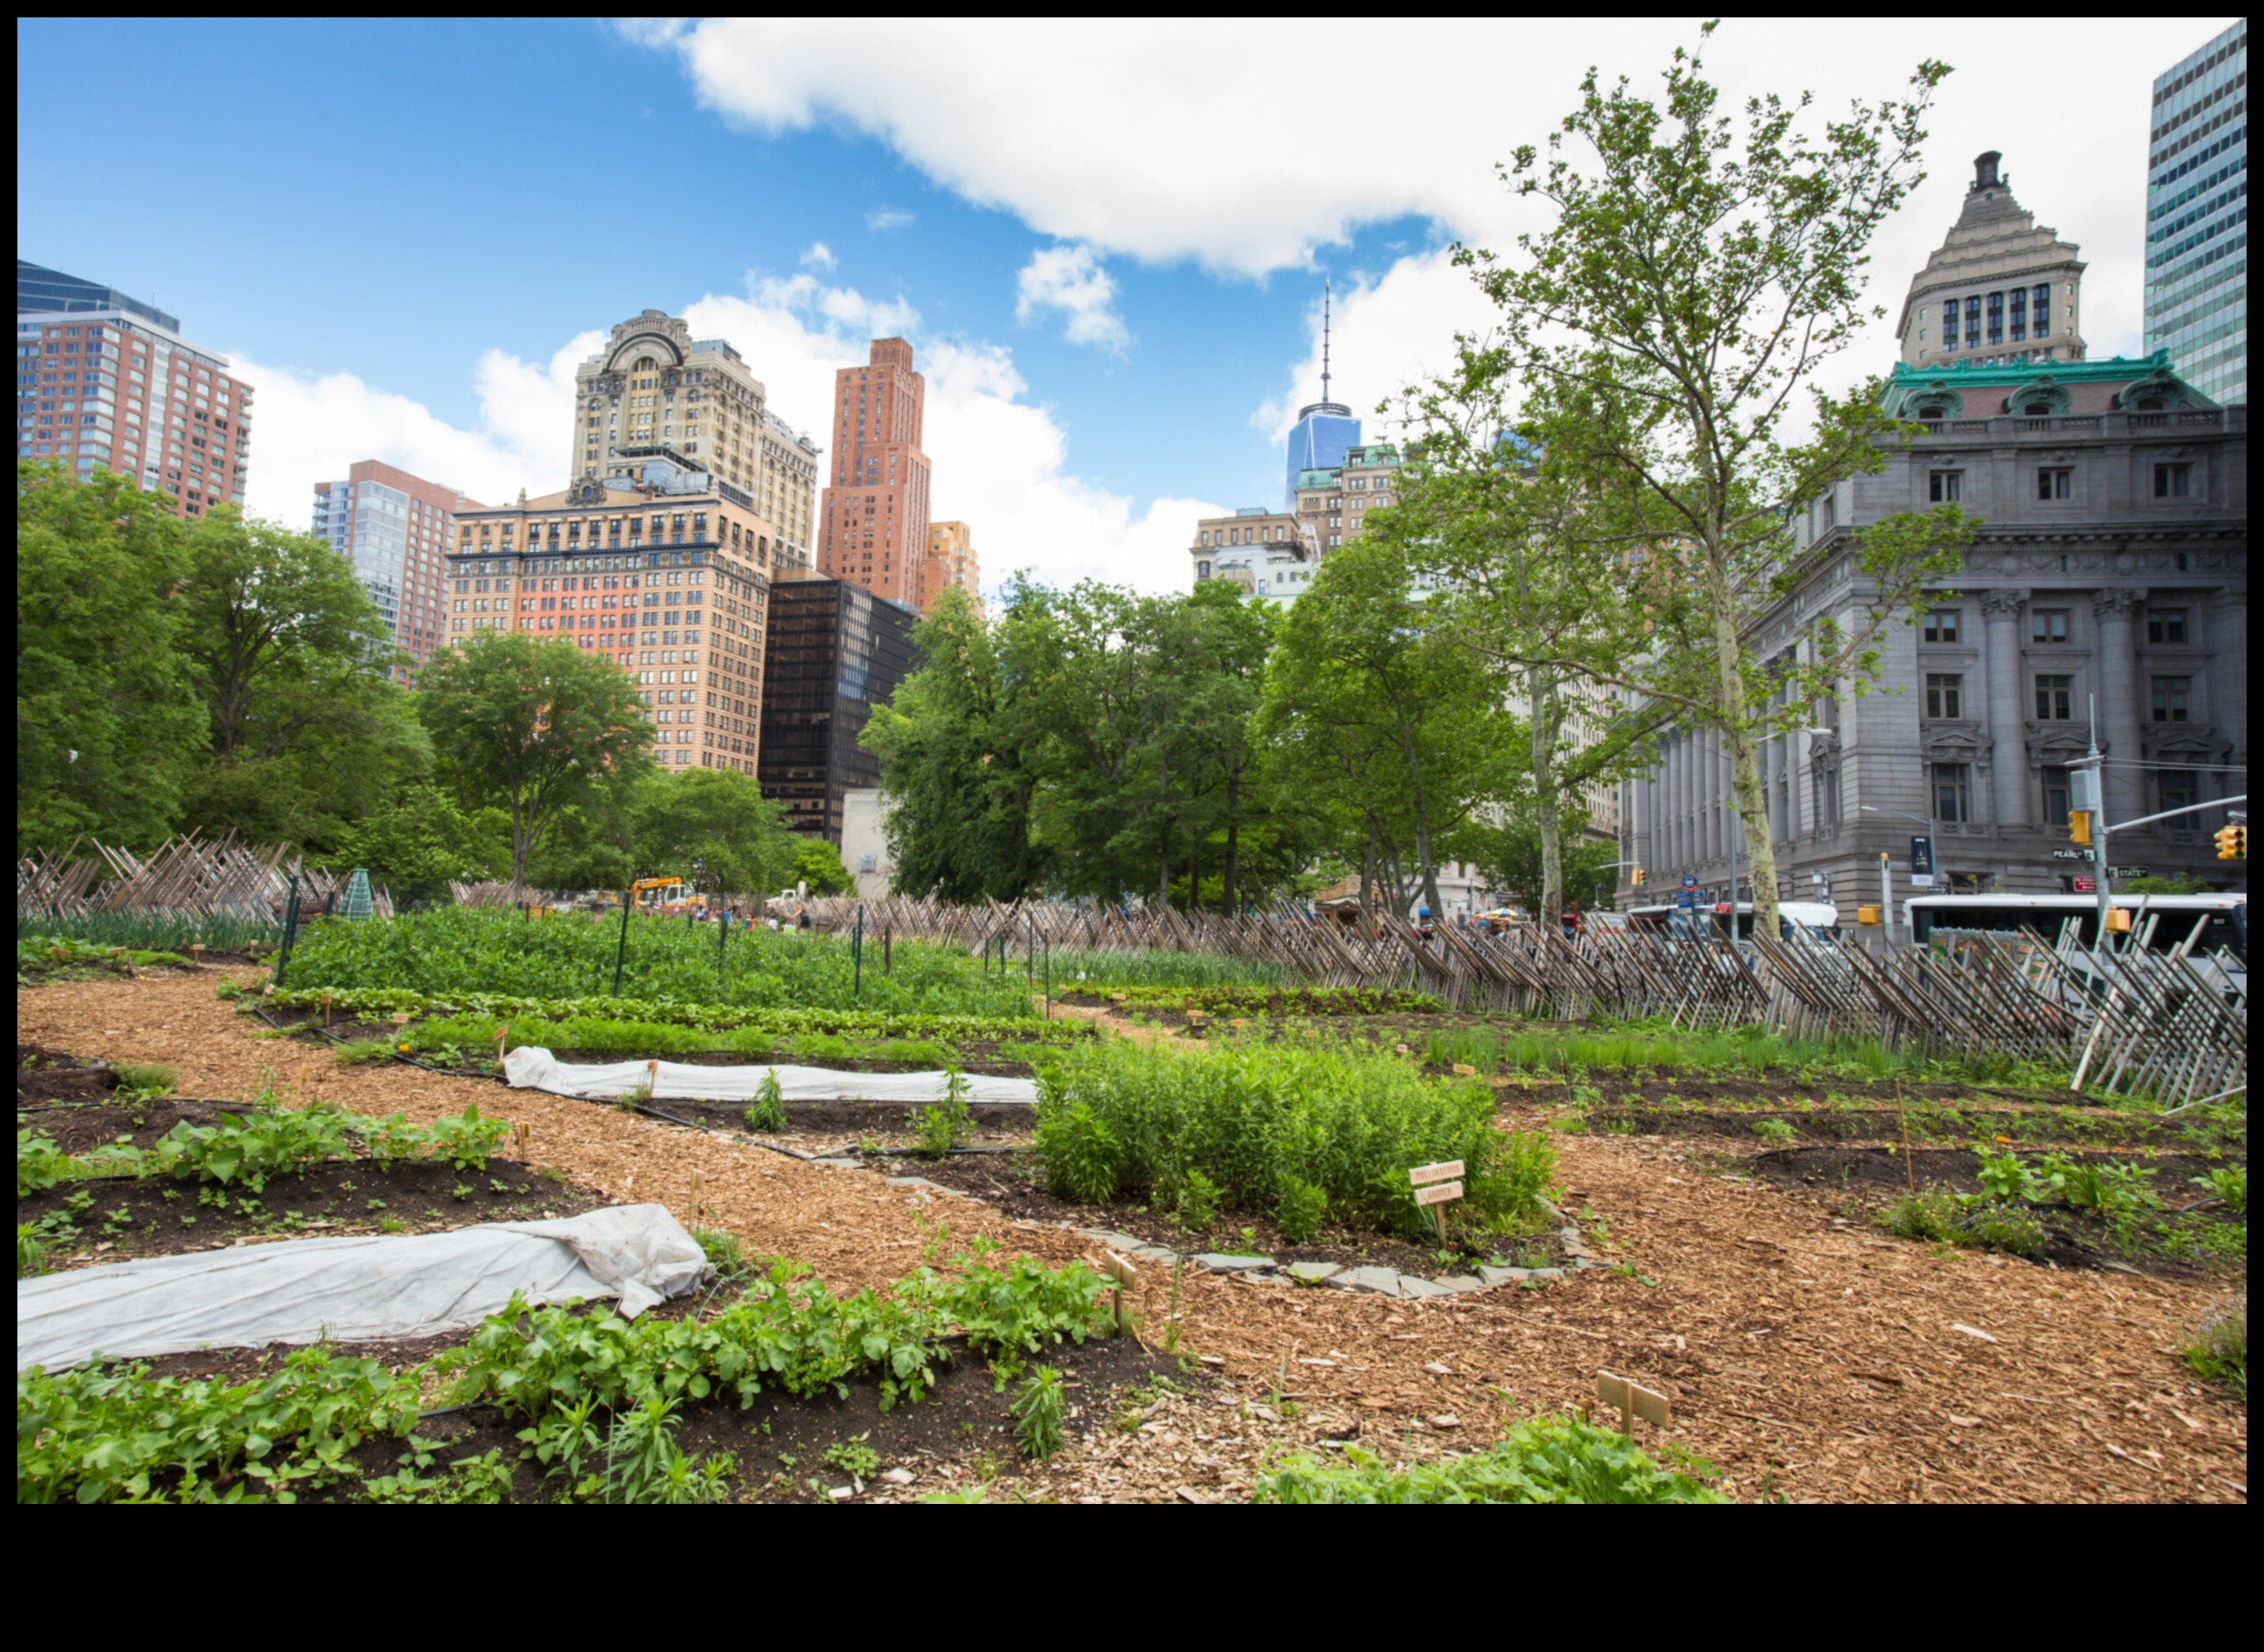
x=769 y=1111
x=2218 y=1351
x=1775 y=1130
x=1302 y=1210
x=1545 y=1460
x=2008 y=1228
x=1933 y=1215
x=363 y=1052
x=1253 y=1118
x=2228 y=1183
x=149 y=1078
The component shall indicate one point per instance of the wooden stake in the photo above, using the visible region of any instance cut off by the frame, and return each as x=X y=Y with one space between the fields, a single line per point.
x=1910 y=1170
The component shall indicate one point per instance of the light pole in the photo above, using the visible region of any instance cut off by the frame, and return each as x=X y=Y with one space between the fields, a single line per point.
x=1886 y=891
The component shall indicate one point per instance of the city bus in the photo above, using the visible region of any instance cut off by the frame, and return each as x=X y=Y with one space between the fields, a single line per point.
x=1816 y=919
x=2166 y=924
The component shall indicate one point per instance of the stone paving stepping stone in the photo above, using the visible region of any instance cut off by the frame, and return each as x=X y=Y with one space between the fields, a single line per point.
x=1411 y=1286
x=1502 y=1276
x=1315 y=1271
x=1459 y=1282
x=1154 y=1253
x=1219 y=1262
x=915 y=1182
x=1384 y=1281
x=1124 y=1242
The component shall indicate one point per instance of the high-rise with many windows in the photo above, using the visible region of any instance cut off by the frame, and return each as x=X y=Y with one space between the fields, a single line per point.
x=396 y=529
x=2197 y=217
x=102 y=379
x=872 y=523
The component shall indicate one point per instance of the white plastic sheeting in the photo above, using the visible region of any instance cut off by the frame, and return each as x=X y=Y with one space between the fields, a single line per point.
x=533 y=1068
x=353 y=1290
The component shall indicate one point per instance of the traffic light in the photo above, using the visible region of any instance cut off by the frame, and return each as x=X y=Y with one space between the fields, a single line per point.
x=1636 y=877
x=2232 y=843
x=2078 y=825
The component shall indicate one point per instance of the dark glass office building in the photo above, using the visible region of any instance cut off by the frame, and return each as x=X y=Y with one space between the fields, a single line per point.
x=834 y=652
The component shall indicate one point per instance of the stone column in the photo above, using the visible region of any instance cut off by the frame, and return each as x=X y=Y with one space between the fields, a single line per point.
x=2009 y=758
x=2228 y=679
x=2120 y=716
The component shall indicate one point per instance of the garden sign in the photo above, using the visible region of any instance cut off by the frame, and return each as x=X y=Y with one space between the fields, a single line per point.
x=1435 y=1184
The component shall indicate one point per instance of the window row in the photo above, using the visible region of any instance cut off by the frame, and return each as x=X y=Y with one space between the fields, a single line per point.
x=2003 y=312
x=2169 y=699
x=2171 y=481
x=2166 y=627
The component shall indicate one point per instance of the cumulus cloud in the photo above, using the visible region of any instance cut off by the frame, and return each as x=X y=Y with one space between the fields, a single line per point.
x=1149 y=139
x=886 y=218
x=818 y=256
x=312 y=428
x=1070 y=278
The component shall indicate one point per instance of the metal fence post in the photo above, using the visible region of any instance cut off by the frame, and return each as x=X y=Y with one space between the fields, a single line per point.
x=621 y=953
x=856 y=956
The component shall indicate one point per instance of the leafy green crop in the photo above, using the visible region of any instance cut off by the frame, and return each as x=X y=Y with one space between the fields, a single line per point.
x=1038 y=1411
x=1261 y=1120
x=1543 y=1459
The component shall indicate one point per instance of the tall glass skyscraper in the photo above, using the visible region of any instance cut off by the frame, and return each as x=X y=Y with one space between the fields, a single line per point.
x=1326 y=431
x=2197 y=218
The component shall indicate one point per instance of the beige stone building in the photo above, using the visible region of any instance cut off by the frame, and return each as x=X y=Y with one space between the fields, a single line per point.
x=655 y=392
x=951 y=561
x=1999 y=291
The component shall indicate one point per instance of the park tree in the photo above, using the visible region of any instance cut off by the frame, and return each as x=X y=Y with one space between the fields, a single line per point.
x=421 y=841
x=1692 y=283
x=106 y=720
x=306 y=730
x=951 y=762
x=715 y=827
x=533 y=728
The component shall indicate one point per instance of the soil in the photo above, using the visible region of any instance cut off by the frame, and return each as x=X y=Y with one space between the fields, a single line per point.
x=123 y=1217
x=1808 y=1355
x=960 y=1432
x=1009 y=1181
x=79 y=1127
x=57 y=1075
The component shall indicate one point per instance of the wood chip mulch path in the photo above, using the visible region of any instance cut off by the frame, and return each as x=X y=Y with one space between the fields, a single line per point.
x=1807 y=1356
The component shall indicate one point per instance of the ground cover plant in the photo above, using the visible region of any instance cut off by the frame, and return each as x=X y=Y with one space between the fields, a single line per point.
x=597 y=1398
x=149 y=931
x=40 y=958
x=1074 y=968
x=462 y=951
x=1542 y=1459
x=1305 y=1135
x=1261 y=998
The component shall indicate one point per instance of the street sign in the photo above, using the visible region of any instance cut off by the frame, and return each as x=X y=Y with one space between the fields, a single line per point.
x=2086 y=886
x=1689 y=880
x=1922 y=859
x=2126 y=871
x=2071 y=855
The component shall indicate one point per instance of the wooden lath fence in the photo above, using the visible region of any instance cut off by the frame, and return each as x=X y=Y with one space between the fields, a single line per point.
x=2166 y=1024
x=184 y=877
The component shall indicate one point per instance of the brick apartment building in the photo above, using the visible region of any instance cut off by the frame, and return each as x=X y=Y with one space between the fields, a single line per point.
x=396 y=529
x=873 y=518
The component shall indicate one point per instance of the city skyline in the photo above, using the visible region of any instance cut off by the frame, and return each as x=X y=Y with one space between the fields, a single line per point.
x=1107 y=364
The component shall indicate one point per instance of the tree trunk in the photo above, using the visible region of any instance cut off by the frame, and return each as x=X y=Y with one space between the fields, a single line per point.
x=1162 y=832
x=1227 y=903
x=1745 y=767
x=1541 y=689
x=1367 y=885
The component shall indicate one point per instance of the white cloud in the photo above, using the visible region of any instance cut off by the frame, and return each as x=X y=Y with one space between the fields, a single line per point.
x=1149 y=139
x=311 y=428
x=819 y=256
x=885 y=218
x=1070 y=278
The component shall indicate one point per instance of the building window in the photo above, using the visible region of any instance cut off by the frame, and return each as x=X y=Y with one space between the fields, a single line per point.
x=1996 y=318
x=1827 y=794
x=2043 y=310
x=1949 y=324
x=1972 y=321
x=2055 y=699
x=2020 y=314
x=2177 y=789
x=2048 y=625
x=2056 y=795
x=1945 y=694
x=1202 y=571
x=2054 y=482
x=1952 y=792
x=2165 y=625
x=2173 y=699
x=1942 y=626
x=1947 y=487
x=2173 y=481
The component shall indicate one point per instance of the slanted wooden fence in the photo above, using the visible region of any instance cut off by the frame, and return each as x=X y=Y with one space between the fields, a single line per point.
x=2168 y=1024
x=183 y=878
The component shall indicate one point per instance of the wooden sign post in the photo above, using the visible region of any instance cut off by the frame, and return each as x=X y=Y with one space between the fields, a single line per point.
x=326 y=1009
x=1125 y=1275
x=1436 y=1185
x=503 y=1034
x=1633 y=1400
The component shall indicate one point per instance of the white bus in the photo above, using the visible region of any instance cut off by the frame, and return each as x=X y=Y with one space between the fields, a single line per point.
x=2166 y=921
x=1710 y=919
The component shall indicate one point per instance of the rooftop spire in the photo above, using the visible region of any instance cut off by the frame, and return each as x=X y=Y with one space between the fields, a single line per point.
x=1325 y=338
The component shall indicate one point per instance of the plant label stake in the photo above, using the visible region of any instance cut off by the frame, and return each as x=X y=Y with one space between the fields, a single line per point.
x=1437 y=1185
x=326 y=1009
x=1125 y=1275
x=503 y=1037
x=1634 y=1401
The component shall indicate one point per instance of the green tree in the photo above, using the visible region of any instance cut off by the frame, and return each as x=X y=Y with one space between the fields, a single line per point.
x=533 y=728
x=307 y=731
x=106 y=719
x=1692 y=287
x=1377 y=707
x=817 y=864
x=960 y=796
x=421 y=841
x=715 y=827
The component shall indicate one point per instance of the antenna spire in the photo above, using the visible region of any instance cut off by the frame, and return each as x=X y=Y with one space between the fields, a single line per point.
x=1325 y=338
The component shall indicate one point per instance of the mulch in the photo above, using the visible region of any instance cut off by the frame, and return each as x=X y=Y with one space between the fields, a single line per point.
x=1806 y=1356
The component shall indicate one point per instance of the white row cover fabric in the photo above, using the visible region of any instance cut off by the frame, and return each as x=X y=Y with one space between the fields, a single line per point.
x=353 y=1290
x=531 y=1067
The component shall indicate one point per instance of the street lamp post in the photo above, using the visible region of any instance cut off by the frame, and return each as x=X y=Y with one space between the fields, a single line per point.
x=1886 y=891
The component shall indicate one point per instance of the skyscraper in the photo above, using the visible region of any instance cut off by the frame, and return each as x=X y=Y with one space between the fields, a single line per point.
x=1324 y=430
x=951 y=561
x=102 y=379
x=1999 y=291
x=834 y=652
x=873 y=521
x=2197 y=217
x=396 y=529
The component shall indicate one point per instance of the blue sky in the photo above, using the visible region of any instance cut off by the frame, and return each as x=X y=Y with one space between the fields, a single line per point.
x=1107 y=243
